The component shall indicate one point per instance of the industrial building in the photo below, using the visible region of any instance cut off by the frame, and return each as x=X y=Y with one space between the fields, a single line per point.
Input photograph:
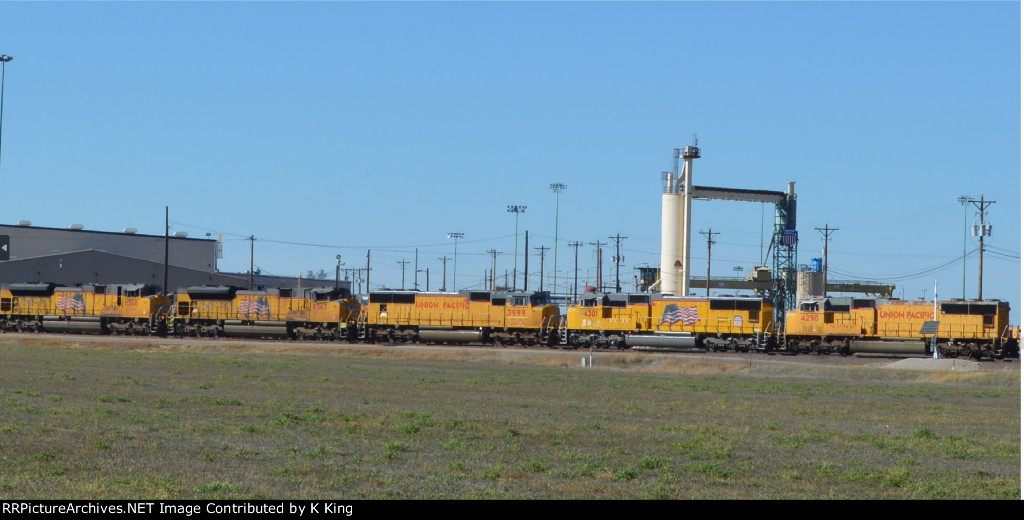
x=74 y=255
x=779 y=283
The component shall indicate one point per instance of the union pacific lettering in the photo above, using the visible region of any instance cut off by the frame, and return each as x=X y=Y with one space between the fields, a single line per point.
x=451 y=306
x=905 y=315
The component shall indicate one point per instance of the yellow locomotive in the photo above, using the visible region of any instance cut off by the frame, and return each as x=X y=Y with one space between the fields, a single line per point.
x=508 y=318
x=976 y=329
x=620 y=320
x=103 y=309
x=297 y=313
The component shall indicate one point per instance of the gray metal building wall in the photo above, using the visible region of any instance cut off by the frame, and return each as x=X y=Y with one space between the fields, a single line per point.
x=32 y=241
x=88 y=267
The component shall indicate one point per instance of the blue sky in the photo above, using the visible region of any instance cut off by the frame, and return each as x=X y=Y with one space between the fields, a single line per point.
x=329 y=128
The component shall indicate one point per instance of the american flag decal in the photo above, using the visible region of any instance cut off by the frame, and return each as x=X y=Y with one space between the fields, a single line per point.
x=675 y=314
x=66 y=303
x=257 y=308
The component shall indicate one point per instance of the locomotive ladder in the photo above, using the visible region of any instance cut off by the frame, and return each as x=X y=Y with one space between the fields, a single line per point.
x=563 y=330
x=160 y=318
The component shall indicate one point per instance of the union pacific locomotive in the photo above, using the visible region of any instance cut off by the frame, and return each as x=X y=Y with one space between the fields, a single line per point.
x=976 y=329
x=105 y=309
x=508 y=318
x=297 y=313
x=649 y=320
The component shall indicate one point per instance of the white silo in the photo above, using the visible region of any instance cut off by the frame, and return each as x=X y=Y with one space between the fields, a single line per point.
x=671 y=246
x=676 y=200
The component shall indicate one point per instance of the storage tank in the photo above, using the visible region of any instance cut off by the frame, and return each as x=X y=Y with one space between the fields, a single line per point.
x=810 y=284
x=670 y=241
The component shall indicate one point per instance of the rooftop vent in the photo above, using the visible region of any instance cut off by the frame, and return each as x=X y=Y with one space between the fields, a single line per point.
x=24 y=222
x=181 y=234
x=77 y=227
x=130 y=230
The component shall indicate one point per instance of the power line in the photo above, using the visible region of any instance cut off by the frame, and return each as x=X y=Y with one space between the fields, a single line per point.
x=389 y=248
x=907 y=276
x=1014 y=257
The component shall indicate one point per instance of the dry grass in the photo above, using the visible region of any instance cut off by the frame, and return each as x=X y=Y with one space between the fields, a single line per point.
x=152 y=419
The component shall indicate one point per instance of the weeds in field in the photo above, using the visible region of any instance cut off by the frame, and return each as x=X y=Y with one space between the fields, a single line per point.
x=245 y=422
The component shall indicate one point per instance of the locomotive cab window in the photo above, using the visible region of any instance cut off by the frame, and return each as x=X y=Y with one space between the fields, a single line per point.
x=539 y=299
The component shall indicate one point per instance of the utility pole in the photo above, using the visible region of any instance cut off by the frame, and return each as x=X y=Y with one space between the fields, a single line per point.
x=357 y=276
x=542 y=249
x=494 y=263
x=416 y=270
x=618 y=259
x=455 y=265
x=964 y=200
x=826 y=233
x=367 y=273
x=981 y=231
x=709 y=234
x=4 y=60
x=167 y=243
x=526 y=264
x=517 y=209
x=599 y=281
x=403 y=262
x=558 y=188
x=252 y=240
x=444 y=273
x=576 y=270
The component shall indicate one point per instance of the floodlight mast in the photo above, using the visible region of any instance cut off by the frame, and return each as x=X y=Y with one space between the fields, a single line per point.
x=517 y=209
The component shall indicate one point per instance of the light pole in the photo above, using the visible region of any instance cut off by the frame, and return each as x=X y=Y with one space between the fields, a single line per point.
x=558 y=188
x=455 y=267
x=3 y=77
x=964 y=201
x=515 y=255
x=337 y=271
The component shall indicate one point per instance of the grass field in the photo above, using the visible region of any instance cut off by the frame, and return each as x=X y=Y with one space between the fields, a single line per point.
x=106 y=420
